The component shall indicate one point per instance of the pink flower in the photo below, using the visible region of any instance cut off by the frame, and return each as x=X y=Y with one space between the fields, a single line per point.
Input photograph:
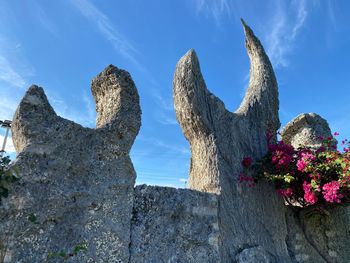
x=246 y=178
x=330 y=192
x=335 y=134
x=309 y=195
x=321 y=138
x=288 y=192
x=247 y=161
x=280 y=192
x=306 y=158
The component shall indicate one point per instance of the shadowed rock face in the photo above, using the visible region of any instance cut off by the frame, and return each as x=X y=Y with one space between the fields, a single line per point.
x=219 y=139
x=174 y=225
x=77 y=181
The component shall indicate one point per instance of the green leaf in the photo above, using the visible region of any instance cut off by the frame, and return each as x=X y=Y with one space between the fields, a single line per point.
x=62 y=254
x=32 y=218
x=78 y=248
x=51 y=255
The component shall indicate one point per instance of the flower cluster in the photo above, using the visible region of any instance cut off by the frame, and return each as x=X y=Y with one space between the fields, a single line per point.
x=304 y=176
x=245 y=178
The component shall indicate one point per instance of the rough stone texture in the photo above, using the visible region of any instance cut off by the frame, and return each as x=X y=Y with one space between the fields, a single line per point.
x=220 y=140
x=305 y=130
x=314 y=237
x=253 y=255
x=77 y=181
x=174 y=225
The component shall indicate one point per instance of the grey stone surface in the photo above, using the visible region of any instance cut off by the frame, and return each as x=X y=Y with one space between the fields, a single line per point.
x=315 y=237
x=220 y=140
x=253 y=255
x=77 y=181
x=305 y=130
x=174 y=225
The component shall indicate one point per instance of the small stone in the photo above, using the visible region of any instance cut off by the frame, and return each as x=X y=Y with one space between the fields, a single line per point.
x=304 y=130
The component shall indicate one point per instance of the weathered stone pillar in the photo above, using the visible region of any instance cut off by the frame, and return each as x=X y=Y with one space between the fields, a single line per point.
x=78 y=182
x=251 y=221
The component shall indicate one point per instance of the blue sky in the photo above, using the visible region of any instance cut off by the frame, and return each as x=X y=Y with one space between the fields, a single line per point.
x=62 y=45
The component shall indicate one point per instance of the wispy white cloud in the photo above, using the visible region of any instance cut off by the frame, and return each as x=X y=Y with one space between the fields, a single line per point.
x=9 y=148
x=8 y=106
x=165 y=111
x=90 y=108
x=215 y=8
x=119 y=41
x=166 y=120
x=40 y=14
x=163 y=102
x=286 y=20
x=84 y=116
x=9 y=75
x=13 y=76
x=286 y=24
x=173 y=148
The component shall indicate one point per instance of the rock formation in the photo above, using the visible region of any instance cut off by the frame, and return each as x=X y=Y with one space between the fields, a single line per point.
x=305 y=130
x=174 y=225
x=79 y=182
x=254 y=224
x=219 y=139
x=314 y=237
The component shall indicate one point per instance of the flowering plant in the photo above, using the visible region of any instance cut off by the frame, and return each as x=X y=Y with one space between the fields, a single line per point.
x=304 y=176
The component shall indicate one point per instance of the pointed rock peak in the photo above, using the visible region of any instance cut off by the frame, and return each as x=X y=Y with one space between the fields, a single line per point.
x=190 y=59
x=252 y=43
x=32 y=115
x=35 y=95
x=261 y=102
x=110 y=69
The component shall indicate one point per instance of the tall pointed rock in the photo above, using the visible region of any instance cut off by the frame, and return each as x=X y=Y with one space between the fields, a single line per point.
x=219 y=140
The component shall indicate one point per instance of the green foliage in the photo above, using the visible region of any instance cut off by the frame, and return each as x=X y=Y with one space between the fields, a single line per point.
x=80 y=247
x=32 y=218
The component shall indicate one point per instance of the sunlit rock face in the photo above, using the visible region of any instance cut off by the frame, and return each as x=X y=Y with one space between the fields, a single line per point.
x=79 y=182
x=255 y=225
x=305 y=130
x=220 y=140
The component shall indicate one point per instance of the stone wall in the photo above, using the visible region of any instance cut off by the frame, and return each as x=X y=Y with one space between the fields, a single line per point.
x=174 y=225
x=79 y=182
